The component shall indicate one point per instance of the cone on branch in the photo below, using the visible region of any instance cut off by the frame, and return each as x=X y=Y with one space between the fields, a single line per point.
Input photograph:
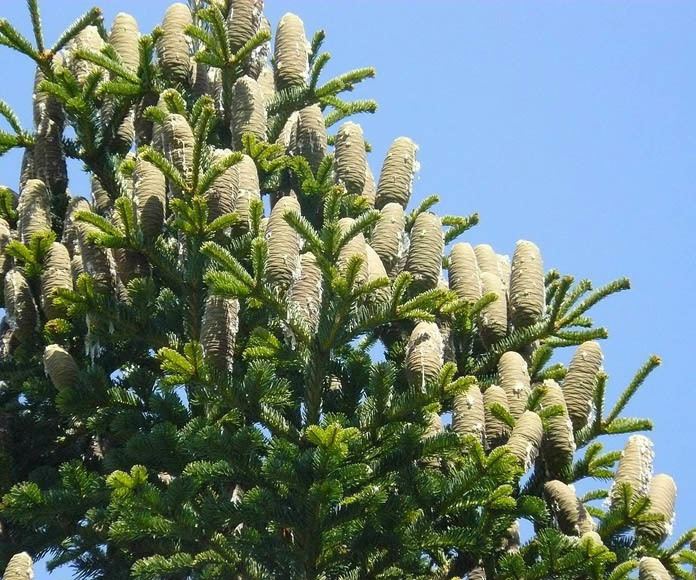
x=650 y=568
x=219 y=331
x=305 y=293
x=464 y=276
x=662 y=495
x=424 y=259
x=398 y=172
x=56 y=273
x=468 y=415
x=635 y=468
x=424 y=354
x=173 y=46
x=580 y=382
x=571 y=515
x=526 y=438
x=248 y=113
x=350 y=161
x=34 y=210
x=527 y=291
x=20 y=308
x=389 y=239
x=497 y=431
x=559 y=444
x=513 y=377
x=178 y=142
x=150 y=192
x=20 y=567
x=60 y=367
x=283 y=243
x=246 y=190
x=291 y=53
x=310 y=139
x=493 y=320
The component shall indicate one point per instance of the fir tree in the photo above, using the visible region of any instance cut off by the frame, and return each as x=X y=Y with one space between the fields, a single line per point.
x=192 y=383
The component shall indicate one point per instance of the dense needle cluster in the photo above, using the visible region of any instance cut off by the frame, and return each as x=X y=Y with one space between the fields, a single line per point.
x=241 y=355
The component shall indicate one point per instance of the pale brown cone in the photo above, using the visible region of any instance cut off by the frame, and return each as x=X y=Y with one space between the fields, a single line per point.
x=20 y=308
x=247 y=189
x=34 y=209
x=243 y=21
x=267 y=84
x=526 y=438
x=424 y=259
x=398 y=171
x=291 y=53
x=424 y=354
x=356 y=246
x=580 y=382
x=497 y=431
x=95 y=259
x=48 y=158
x=559 y=444
x=505 y=269
x=487 y=259
x=219 y=331
x=571 y=515
x=100 y=198
x=60 y=367
x=19 y=567
x=178 y=141
x=87 y=39
x=310 y=139
x=388 y=237
x=350 y=160
x=468 y=416
x=375 y=271
x=248 y=113
x=662 y=495
x=652 y=569
x=635 y=467
x=173 y=47
x=369 y=191
x=150 y=192
x=283 y=243
x=464 y=276
x=70 y=237
x=527 y=291
x=45 y=104
x=513 y=377
x=124 y=37
x=493 y=319
x=287 y=134
x=476 y=574
x=304 y=295
x=223 y=191
x=57 y=273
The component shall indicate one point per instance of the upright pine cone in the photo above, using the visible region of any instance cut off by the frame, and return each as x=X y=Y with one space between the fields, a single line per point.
x=57 y=273
x=150 y=191
x=95 y=258
x=527 y=291
x=19 y=568
x=513 y=377
x=356 y=246
x=662 y=495
x=559 y=443
x=572 y=516
x=497 y=431
x=424 y=354
x=283 y=243
x=493 y=321
x=124 y=37
x=580 y=382
x=304 y=296
x=178 y=142
x=173 y=47
x=71 y=234
x=424 y=259
x=487 y=260
x=291 y=55
x=388 y=238
x=369 y=191
x=34 y=210
x=468 y=415
x=310 y=139
x=350 y=161
x=223 y=191
x=243 y=21
x=247 y=189
x=20 y=308
x=248 y=113
x=398 y=171
x=635 y=467
x=526 y=438
x=60 y=367
x=464 y=277
x=100 y=197
x=87 y=39
x=652 y=569
x=219 y=331
x=375 y=271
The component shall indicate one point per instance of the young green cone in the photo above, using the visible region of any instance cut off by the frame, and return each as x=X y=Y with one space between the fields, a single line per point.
x=60 y=367
x=398 y=171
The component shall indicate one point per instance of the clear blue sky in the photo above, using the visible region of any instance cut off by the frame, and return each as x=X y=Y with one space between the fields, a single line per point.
x=572 y=124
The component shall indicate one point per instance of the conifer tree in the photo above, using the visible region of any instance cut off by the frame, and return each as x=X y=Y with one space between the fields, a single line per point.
x=241 y=355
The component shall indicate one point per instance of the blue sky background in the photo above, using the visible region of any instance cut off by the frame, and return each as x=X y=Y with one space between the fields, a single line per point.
x=571 y=124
